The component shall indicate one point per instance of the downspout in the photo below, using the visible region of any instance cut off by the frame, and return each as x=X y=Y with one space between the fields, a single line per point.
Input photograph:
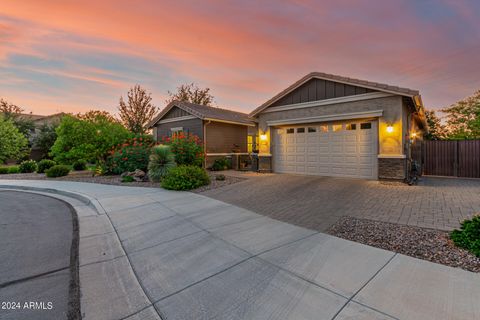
x=205 y=142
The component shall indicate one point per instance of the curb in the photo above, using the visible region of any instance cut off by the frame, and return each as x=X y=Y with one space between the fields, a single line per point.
x=89 y=201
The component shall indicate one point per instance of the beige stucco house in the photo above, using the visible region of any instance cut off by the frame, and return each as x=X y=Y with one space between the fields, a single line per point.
x=322 y=124
x=330 y=125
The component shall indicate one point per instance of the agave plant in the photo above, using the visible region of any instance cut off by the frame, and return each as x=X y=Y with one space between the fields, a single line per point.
x=161 y=160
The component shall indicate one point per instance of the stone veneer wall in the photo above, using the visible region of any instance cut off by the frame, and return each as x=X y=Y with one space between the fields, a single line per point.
x=391 y=168
x=264 y=164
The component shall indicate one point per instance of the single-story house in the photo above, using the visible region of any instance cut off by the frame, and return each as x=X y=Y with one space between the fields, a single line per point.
x=322 y=124
x=330 y=125
x=225 y=133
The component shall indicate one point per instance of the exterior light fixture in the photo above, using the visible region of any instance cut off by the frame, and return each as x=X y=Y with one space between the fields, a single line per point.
x=389 y=128
x=414 y=135
x=263 y=137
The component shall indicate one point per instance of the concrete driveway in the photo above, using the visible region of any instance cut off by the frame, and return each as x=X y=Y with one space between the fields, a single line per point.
x=36 y=235
x=155 y=254
x=318 y=202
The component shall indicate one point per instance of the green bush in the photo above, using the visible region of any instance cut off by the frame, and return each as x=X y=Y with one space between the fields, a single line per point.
x=3 y=170
x=221 y=164
x=90 y=136
x=80 y=165
x=45 y=164
x=188 y=149
x=14 y=169
x=468 y=237
x=58 y=170
x=28 y=166
x=161 y=161
x=185 y=178
x=132 y=154
x=13 y=144
x=220 y=177
x=127 y=179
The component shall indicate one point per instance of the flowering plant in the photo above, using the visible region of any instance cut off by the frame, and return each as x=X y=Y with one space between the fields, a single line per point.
x=188 y=148
x=130 y=155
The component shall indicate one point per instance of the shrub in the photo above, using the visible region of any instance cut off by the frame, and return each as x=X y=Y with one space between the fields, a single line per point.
x=127 y=179
x=90 y=137
x=221 y=164
x=14 y=169
x=58 y=170
x=28 y=166
x=185 y=178
x=468 y=237
x=44 y=165
x=132 y=154
x=188 y=149
x=220 y=177
x=3 y=170
x=79 y=165
x=13 y=144
x=161 y=161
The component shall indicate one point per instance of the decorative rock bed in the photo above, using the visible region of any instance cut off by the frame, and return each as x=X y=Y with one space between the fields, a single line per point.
x=86 y=176
x=427 y=244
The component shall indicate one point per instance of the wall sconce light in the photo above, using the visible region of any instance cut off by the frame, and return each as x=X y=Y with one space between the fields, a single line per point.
x=263 y=137
x=389 y=128
x=414 y=135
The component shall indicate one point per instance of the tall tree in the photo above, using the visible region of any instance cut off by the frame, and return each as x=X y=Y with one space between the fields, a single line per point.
x=45 y=138
x=436 y=131
x=193 y=94
x=13 y=112
x=138 y=111
x=463 y=118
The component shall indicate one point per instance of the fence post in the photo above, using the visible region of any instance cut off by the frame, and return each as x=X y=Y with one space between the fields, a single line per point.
x=455 y=159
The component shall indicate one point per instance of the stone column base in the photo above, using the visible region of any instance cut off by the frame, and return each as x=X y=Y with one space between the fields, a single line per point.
x=265 y=163
x=391 y=168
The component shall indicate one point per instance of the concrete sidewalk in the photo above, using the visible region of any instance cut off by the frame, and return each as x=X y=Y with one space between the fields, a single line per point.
x=150 y=254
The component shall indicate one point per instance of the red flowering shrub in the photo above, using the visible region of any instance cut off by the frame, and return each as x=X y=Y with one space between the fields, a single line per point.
x=132 y=154
x=188 y=148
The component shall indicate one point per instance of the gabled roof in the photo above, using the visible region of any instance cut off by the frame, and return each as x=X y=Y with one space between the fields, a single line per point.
x=414 y=94
x=206 y=113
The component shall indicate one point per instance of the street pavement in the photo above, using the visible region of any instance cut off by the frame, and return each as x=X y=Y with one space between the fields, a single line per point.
x=149 y=253
x=35 y=241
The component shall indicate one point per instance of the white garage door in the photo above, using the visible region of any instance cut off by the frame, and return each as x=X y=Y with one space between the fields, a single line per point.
x=343 y=149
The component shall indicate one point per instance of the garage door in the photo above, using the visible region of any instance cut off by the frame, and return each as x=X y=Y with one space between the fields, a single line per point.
x=343 y=149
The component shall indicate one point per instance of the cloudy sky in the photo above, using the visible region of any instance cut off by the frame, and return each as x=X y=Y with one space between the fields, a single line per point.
x=74 y=56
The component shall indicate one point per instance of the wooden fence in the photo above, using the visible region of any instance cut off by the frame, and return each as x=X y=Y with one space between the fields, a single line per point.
x=452 y=158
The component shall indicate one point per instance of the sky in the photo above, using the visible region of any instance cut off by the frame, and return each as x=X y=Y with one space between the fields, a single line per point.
x=74 y=56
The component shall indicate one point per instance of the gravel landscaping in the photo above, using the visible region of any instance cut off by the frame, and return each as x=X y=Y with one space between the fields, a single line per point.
x=427 y=244
x=86 y=176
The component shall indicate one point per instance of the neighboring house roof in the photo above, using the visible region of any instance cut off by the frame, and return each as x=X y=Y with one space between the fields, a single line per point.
x=38 y=119
x=206 y=113
x=413 y=94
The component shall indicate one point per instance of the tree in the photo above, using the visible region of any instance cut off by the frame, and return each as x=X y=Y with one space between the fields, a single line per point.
x=45 y=139
x=193 y=94
x=94 y=115
x=463 y=118
x=138 y=112
x=90 y=139
x=14 y=113
x=13 y=144
x=436 y=131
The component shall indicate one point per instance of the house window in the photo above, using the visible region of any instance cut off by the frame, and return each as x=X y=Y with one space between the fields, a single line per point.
x=176 y=129
x=290 y=130
x=250 y=143
x=351 y=126
x=365 y=125
x=312 y=129
x=300 y=130
x=337 y=127
x=324 y=128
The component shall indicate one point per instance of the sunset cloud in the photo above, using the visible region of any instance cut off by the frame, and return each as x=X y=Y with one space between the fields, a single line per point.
x=74 y=56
